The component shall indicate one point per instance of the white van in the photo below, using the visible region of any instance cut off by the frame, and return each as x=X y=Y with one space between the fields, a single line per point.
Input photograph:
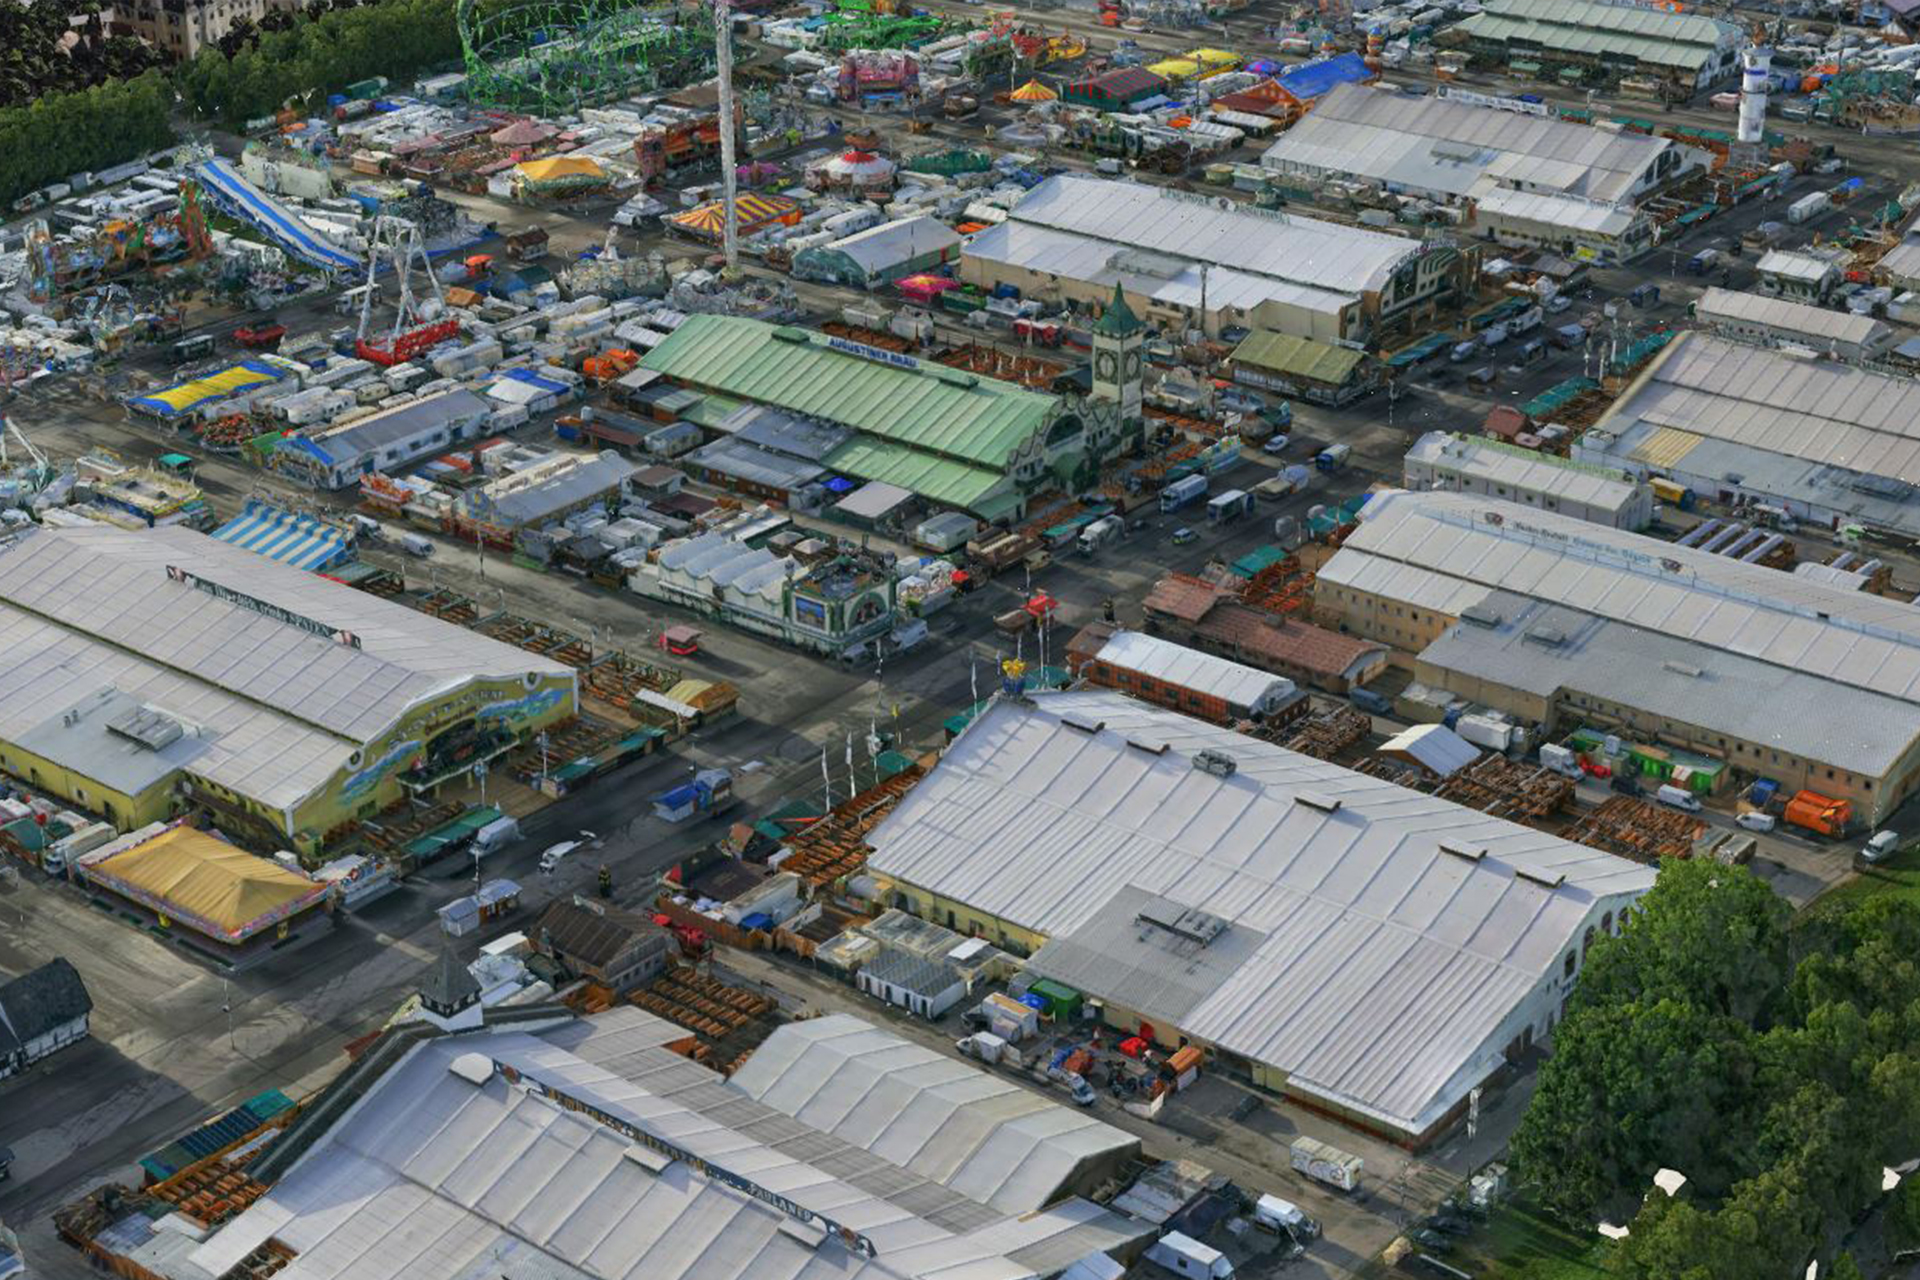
x=493 y=837
x=1677 y=798
x=415 y=544
x=1754 y=820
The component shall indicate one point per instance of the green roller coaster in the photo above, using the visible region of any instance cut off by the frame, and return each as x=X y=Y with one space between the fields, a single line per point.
x=555 y=56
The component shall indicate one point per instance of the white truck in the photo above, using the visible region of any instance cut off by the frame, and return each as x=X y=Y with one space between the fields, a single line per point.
x=1187 y=1257
x=1100 y=533
x=1325 y=1163
x=1560 y=759
x=1809 y=207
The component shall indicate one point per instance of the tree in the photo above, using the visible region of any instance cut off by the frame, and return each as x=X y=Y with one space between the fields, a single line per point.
x=1706 y=934
x=1903 y=1216
x=1845 y=1268
x=1631 y=1089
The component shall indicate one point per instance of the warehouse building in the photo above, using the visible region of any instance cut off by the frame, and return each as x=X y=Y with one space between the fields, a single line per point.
x=1567 y=624
x=1215 y=689
x=1809 y=275
x=1367 y=950
x=530 y=1142
x=1188 y=261
x=1495 y=469
x=880 y=255
x=338 y=457
x=1673 y=55
x=1007 y=1146
x=1780 y=322
x=1320 y=372
x=1211 y=615
x=1520 y=179
x=830 y=607
x=952 y=438
x=1741 y=425
x=165 y=669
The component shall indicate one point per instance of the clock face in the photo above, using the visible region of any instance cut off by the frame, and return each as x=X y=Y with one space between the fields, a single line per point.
x=1132 y=365
x=1103 y=365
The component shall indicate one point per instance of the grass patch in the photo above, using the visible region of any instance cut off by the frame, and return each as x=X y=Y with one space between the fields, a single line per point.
x=1898 y=876
x=1519 y=1243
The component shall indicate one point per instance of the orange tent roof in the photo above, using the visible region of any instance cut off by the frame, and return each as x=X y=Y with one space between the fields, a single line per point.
x=1033 y=91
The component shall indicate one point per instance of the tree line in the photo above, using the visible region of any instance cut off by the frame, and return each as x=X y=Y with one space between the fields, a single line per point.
x=1774 y=1063
x=95 y=128
x=253 y=74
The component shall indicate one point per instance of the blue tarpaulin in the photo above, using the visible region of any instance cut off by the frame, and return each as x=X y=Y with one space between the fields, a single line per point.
x=302 y=541
x=1312 y=80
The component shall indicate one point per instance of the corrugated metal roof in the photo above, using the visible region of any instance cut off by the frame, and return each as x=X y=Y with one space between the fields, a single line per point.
x=1434 y=746
x=1838 y=415
x=1820 y=323
x=1443 y=550
x=1795 y=264
x=445 y=409
x=980 y=1134
x=1302 y=251
x=1654 y=36
x=1388 y=964
x=908 y=402
x=892 y=243
x=87 y=609
x=1733 y=695
x=1237 y=684
x=1296 y=356
x=1525 y=470
x=431 y=1175
x=1435 y=144
x=1100 y=262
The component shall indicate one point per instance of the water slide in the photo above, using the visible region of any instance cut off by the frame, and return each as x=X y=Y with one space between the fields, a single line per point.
x=240 y=198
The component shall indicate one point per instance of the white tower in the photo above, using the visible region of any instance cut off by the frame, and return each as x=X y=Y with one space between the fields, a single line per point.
x=1756 y=64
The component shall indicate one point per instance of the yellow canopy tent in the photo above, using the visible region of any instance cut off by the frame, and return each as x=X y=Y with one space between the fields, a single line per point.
x=1033 y=91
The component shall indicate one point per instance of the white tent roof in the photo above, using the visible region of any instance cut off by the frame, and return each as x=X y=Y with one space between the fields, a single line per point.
x=979 y=1133
x=1367 y=952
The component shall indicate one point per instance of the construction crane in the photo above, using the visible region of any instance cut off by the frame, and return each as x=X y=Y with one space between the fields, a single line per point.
x=43 y=471
x=417 y=324
x=729 y=178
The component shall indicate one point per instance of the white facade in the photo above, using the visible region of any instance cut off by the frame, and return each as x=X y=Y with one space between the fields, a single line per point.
x=1495 y=469
x=1188 y=261
x=1777 y=322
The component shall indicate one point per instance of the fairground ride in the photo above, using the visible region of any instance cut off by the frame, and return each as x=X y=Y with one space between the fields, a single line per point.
x=556 y=56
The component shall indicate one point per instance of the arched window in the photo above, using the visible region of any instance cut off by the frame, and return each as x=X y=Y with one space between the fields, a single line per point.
x=1606 y=923
x=1587 y=945
x=1568 y=972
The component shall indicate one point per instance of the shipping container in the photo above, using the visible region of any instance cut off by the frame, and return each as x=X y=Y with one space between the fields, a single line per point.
x=1324 y=1163
x=1808 y=207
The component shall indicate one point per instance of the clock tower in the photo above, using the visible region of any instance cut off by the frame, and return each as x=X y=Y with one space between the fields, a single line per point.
x=1118 y=337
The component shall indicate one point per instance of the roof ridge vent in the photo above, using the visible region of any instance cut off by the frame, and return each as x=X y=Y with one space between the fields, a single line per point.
x=1682 y=669
x=1318 y=800
x=1088 y=727
x=1471 y=853
x=1546 y=879
x=1151 y=748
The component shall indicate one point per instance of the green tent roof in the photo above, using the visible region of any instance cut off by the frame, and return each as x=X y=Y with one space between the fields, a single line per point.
x=913 y=403
x=927 y=474
x=1297 y=357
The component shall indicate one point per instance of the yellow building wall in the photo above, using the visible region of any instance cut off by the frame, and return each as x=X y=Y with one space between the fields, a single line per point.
x=126 y=812
x=371 y=783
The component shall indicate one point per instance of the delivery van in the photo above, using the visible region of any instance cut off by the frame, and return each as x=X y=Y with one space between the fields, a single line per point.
x=1677 y=798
